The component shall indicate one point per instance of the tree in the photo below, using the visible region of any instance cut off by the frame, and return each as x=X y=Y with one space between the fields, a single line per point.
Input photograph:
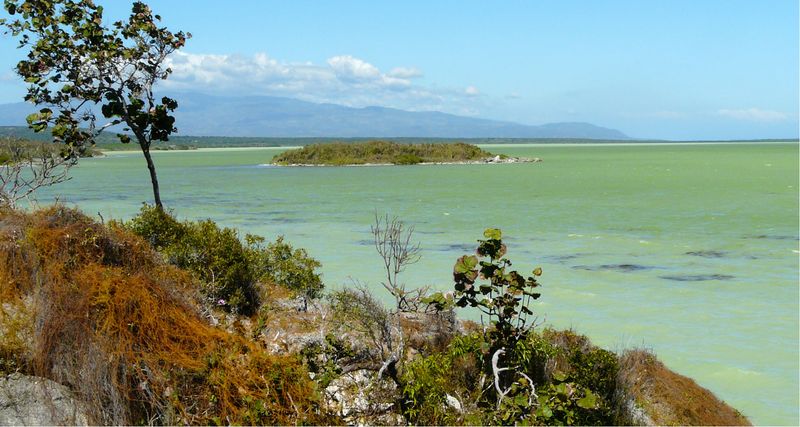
x=75 y=63
x=393 y=242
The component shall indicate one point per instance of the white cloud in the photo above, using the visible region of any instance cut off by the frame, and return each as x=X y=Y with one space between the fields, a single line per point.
x=342 y=79
x=348 y=67
x=754 y=114
x=405 y=73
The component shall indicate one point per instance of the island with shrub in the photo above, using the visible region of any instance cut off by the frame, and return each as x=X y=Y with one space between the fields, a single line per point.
x=390 y=153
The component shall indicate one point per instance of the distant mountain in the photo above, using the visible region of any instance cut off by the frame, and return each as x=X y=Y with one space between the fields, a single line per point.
x=265 y=116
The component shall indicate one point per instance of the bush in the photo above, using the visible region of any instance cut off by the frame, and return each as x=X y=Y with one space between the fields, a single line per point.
x=230 y=269
x=279 y=263
x=94 y=308
x=508 y=374
x=427 y=382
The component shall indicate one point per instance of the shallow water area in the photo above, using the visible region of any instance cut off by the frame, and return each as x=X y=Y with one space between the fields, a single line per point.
x=690 y=250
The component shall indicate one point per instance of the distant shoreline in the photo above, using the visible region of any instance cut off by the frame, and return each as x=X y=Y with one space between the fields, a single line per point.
x=520 y=145
x=512 y=160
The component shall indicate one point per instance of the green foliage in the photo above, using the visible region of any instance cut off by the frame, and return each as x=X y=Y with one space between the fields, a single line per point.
x=428 y=380
x=439 y=301
x=325 y=360
x=380 y=152
x=506 y=296
x=595 y=369
x=229 y=269
x=572 y=397
x=363 y=314
x=564 y=402
x=13 y=149
x=278 y=262
x=503 y=376
x=75 y=62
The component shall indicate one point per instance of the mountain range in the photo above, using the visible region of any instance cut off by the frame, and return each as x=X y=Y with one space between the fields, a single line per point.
x=266 y=116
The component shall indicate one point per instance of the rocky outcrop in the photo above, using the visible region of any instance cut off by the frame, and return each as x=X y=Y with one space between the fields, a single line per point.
x=649 y=393
x=26 y=400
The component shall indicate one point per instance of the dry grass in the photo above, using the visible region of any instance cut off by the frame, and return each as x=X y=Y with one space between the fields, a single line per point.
x=94 y=308
x=669 y=398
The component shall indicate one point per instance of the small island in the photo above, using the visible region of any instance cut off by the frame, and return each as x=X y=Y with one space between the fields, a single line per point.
x=390 y=153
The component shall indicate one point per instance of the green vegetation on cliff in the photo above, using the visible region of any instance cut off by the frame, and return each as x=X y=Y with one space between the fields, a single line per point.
x=380 y=152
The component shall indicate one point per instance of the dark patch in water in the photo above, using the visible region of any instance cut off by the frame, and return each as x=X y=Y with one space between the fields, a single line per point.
x=698 y=277
x=457 y=247
x=428 y=232
x=624 y=268
x=285 y=220
x=773 y=237
x=365 y=242
x=708 y=254
x=562 y=258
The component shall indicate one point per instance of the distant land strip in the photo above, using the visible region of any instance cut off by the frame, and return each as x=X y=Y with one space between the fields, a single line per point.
x=108 y=141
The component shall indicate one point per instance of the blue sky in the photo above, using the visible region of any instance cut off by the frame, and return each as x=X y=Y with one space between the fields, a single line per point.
x=652 y=69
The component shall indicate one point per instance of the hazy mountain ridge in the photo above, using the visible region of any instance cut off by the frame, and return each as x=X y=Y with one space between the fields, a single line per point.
x=263 y=116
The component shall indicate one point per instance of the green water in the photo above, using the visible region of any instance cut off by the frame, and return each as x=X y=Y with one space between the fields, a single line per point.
x=581 y=214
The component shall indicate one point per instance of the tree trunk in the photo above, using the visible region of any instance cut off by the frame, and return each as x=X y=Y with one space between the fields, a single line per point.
x=153 y=177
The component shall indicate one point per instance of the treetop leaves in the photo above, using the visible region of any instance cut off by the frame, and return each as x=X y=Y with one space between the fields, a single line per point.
x=493 y=233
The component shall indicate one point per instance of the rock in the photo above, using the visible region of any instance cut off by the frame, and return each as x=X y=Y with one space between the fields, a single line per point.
x=453 y=403
x=359 y=399
x=27 y=400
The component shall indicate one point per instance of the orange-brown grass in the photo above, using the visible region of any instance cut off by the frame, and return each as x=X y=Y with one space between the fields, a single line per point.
x=106 y=317
x=669 y=398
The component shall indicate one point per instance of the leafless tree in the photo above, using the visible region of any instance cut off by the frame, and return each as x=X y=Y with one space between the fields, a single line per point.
x=366 y=316
x=28 y=168
x=393 y=241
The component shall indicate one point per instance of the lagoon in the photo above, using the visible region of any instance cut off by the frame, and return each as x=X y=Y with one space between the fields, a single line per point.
x=689 y=250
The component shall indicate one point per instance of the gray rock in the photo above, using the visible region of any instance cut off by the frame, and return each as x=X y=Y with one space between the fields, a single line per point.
x=26 y=400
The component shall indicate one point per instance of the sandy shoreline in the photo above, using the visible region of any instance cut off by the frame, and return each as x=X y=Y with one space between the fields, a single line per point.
x=508 y=161
x=198 y=150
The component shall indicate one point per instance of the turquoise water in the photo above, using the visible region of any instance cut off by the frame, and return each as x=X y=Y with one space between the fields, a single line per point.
x=689 y=250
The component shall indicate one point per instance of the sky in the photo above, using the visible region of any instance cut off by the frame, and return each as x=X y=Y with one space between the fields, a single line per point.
x=663 y=69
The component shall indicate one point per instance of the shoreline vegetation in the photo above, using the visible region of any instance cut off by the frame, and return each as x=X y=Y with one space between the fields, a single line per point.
x=157 y=321
x=382 y=153
x=107 y=141
x=13 y=149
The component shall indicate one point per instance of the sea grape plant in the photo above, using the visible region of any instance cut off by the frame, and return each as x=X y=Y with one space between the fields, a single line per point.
x=504 y=297
x=75 y=63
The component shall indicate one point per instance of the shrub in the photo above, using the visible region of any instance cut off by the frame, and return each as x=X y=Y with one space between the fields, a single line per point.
x=407 y=159
x=278 y=262
x=505 y=299
x=230 y=270
x=112 y=321
x=427 y=382
x=512 y=379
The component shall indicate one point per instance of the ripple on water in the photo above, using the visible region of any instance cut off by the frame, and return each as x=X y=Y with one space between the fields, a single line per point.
x=625 y=268
x=708 y=254
x=284 y=220
x=773 y=237
x=561 y=259
x=697 y=277
x=456 y=247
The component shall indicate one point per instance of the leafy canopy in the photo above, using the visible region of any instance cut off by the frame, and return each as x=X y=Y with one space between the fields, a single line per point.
x=75 y=62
